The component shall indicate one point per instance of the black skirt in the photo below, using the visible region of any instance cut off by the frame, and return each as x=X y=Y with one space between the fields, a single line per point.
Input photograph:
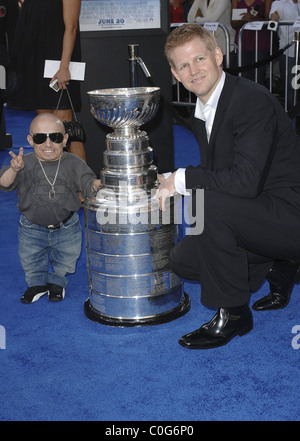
x=39 y=37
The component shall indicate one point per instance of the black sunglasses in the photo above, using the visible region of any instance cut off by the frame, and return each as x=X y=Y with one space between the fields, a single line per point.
x=40 y=138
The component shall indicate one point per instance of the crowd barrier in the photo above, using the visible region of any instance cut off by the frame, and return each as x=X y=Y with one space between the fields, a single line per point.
x=182 y=97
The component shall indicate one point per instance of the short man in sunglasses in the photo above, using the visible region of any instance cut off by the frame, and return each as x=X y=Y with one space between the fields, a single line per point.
x=47 y=182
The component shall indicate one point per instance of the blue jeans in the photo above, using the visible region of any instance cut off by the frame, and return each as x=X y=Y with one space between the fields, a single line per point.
x=39 y=247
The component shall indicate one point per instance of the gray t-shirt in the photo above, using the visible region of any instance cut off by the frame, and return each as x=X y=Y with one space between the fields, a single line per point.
x=33 y=189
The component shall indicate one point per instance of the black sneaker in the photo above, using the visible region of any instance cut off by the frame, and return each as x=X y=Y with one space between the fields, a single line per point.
x=34 y=293
x=56 y=292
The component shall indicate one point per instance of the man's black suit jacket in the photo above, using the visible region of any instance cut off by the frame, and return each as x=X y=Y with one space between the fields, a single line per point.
x=253 y=147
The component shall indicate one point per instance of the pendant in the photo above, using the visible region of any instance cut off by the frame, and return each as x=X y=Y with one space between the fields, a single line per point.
x=52 y=193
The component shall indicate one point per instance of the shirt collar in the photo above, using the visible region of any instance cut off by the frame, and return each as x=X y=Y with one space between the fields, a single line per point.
x=212 y=101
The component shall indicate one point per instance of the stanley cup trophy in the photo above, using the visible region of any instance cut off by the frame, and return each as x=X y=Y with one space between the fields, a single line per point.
x=128 y=239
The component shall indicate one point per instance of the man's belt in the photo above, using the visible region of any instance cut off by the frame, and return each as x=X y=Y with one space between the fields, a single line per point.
x=57 y=226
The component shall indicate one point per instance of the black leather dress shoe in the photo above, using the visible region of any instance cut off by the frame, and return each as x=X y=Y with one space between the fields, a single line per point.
x=282 y=277
x=226 y=324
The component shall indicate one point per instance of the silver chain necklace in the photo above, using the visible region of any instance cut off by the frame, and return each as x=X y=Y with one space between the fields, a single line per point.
x=52 y=191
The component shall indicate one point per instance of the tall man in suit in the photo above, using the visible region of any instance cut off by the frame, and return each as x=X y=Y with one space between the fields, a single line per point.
x=250 y=173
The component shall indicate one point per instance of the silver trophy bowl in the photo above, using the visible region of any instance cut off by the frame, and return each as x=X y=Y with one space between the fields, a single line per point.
x=124 y=108
x=128 y=239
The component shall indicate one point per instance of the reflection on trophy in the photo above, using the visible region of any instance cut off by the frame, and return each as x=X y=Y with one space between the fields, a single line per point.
x=128 y=239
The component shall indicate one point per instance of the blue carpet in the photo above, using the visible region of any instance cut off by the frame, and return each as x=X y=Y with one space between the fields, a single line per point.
x=57 y=365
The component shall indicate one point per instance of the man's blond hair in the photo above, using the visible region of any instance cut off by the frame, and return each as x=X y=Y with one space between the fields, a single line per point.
x=185 y=33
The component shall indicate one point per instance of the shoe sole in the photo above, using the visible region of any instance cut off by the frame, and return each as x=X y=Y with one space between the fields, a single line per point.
x=35 y=298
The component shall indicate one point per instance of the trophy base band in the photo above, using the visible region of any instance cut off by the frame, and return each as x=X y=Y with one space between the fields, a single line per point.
x=157 y=319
